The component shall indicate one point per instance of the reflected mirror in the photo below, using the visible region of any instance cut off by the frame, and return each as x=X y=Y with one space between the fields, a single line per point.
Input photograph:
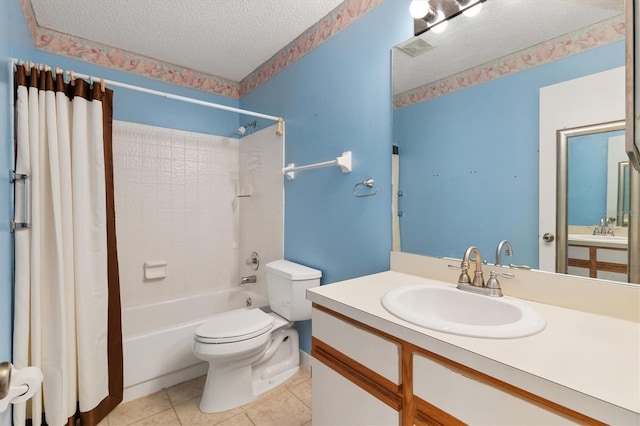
x=466 y=120
x=594 y=239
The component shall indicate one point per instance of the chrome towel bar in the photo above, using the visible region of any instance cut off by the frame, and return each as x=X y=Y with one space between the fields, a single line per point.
x=13 y=177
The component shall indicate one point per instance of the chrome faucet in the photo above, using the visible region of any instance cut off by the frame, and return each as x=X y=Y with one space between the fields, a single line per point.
x=508 y=252
x=603 y=229
x=249 y=279
x=492 y=287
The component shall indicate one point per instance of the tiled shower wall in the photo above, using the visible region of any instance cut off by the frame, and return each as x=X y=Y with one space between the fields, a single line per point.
x=175 y=197
x=262 y=212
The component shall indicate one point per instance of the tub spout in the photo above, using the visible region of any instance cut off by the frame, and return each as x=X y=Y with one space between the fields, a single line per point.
x=249 y=279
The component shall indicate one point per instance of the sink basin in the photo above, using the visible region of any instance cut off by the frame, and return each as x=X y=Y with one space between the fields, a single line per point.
x=444 y=308
x=598 y=238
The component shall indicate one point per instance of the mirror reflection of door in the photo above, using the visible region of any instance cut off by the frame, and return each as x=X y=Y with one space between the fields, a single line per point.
x=597 y=233
x=579 y=103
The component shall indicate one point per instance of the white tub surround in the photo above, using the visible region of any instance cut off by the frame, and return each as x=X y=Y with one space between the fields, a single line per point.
x=157 y=339
x=584 y=362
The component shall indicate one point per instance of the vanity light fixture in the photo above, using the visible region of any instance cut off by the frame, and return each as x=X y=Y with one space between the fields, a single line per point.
x=438 y=23
x=436 y=20
x=420 y=8
x=470 y=8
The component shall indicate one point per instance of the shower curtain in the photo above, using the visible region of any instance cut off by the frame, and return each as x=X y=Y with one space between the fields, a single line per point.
x=67 y=296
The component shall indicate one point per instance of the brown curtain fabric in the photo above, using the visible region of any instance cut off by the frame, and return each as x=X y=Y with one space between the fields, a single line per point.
x=45 y=81
x=116 y=380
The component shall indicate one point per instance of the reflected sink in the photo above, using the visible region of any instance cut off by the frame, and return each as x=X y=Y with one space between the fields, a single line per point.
x=444 y=308
x=598 y=238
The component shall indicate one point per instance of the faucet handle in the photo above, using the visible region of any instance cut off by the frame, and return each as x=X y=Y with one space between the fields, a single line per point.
x=464 y=275
x=493 y=285
x=494 y=274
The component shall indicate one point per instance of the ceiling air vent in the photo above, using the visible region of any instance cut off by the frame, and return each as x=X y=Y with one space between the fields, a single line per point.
x=415 y=47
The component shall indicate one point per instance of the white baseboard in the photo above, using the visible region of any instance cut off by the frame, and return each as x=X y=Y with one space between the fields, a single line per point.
x=305 y=360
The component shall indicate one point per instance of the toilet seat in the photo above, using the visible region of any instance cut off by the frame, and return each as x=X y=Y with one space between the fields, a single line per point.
x=234 y=326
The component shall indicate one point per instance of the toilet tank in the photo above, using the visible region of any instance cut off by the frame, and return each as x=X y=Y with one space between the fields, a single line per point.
x=287 y=283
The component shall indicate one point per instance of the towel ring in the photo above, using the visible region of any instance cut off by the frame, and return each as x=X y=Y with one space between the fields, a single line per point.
x=369 y=184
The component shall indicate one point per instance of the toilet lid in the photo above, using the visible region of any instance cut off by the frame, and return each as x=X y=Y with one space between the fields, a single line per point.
x=234 y=326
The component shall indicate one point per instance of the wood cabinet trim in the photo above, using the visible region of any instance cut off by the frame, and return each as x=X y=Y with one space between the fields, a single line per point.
x=358 y=324
x=408 y=406
x=594 y=265
x=370 y=381
x=408 y=349
x=429 y=415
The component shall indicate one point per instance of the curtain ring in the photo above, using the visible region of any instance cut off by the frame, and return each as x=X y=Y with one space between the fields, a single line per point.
x=102 y=85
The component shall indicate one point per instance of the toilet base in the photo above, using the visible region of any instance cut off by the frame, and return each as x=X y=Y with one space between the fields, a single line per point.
x=227 y=389
x=230 y=388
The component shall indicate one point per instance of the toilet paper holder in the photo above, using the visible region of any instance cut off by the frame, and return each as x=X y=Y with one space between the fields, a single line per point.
x=17 y=386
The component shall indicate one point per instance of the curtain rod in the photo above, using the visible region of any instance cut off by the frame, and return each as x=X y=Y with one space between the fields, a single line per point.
x=93 y=79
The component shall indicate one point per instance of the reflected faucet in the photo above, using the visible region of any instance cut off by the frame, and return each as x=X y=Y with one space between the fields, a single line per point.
x=603 y=229
x=508 y=252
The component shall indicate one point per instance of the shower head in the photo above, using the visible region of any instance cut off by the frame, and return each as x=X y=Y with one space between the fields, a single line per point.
x=243 y=129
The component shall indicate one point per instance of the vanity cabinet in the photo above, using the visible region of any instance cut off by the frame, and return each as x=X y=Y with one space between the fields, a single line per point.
x=597 y=261
x=363 y=376
x=357 y=380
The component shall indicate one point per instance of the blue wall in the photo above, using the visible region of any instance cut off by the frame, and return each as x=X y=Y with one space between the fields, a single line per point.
x=587 y=180
x=338 y=98
x=6 y=252
x=15 y=41
x=469 y=161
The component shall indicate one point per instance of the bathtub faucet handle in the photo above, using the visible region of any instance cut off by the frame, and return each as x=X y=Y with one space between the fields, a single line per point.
x=253 y=261
x=249 y=279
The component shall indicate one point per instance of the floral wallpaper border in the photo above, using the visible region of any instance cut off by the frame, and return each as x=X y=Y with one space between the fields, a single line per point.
x=337 y=20
x=88 y=51
x=598 y=35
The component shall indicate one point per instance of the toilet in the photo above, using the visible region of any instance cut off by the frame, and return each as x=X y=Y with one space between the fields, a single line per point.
x=250 y=351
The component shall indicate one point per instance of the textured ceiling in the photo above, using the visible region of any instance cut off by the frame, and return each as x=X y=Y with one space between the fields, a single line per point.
x=502 y=27
x=226 y=38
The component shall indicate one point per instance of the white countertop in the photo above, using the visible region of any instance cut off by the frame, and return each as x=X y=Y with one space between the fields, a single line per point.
x=587 y=362
x=597 y=241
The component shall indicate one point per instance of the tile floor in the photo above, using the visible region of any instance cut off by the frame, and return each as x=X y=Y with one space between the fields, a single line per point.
x=287 y=405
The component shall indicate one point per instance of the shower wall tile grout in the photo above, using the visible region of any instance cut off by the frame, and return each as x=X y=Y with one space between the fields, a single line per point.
x=174 y=194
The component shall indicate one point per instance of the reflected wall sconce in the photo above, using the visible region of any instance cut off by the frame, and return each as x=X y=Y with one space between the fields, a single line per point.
x=436 y=20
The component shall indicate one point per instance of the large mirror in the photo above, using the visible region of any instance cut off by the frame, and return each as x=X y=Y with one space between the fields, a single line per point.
x=592 y=189
x=467 y=122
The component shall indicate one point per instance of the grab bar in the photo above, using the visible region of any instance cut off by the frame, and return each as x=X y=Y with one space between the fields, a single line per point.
x=13 y=177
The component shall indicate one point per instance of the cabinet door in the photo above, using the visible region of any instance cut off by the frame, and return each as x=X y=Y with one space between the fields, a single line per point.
x=475 y=402
x=372 y=351
x=337 y=401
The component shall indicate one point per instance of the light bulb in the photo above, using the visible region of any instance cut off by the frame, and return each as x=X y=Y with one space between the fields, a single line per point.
x=419 y=8
x=438 y=23
x=473 y=10
x=439 y=27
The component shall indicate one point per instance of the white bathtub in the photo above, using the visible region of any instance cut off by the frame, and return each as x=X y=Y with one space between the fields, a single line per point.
x=157 y=338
